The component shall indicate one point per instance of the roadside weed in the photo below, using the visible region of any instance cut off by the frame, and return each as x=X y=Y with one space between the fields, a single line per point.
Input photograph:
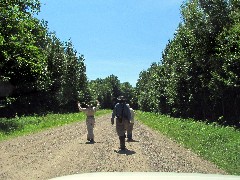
x=218 y=144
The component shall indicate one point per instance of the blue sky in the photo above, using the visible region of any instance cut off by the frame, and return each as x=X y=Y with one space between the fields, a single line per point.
x=115 y=36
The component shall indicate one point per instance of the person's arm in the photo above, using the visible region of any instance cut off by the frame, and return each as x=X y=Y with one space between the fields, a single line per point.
x=113 y=115
x=114 y=112
x=97 y=107
x=80 y=108
x=132 y=115
x=128 y=113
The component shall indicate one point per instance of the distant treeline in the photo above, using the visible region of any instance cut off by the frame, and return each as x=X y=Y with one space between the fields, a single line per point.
x=198 y=75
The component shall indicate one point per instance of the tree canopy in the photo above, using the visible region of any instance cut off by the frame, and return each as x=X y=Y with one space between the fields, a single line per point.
x=107 y=90
x=198 y=76
x=45 y=73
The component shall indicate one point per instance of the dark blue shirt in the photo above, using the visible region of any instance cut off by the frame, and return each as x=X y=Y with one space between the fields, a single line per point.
x=122 y=110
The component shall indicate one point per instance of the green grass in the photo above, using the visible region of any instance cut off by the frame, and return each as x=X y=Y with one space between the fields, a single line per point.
x=31 y=124
x=220 y=145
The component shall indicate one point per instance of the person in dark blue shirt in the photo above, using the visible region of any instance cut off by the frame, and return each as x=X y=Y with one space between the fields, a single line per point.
x=123 y=115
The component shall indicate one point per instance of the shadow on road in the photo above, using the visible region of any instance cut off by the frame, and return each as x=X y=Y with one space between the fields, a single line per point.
x=92 y=142
x=126 y=151
x=132 y=140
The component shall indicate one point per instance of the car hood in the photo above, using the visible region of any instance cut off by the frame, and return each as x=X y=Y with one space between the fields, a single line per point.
x=147 y=175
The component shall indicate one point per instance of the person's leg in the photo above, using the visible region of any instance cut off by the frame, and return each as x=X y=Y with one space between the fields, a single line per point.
x=90 y=135
x=92 y=127
x=87 y=124
x=120 y=128
x=90 y=132
x=129 y=131
x=122 y=142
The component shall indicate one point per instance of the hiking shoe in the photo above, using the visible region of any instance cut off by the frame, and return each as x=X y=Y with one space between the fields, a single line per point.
x=122 y=148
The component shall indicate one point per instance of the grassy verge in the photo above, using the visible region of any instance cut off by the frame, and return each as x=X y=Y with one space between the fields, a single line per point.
x=220 y=145
x=19 y=126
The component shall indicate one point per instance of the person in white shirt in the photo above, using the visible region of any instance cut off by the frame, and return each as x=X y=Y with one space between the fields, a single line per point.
x=90 y=120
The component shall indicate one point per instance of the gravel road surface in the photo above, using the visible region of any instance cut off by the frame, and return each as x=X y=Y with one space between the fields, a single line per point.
x=64 y=151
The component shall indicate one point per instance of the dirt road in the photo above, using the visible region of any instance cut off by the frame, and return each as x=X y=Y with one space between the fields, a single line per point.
x=64 y=151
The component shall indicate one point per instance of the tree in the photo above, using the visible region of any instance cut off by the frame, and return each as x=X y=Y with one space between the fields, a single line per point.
x=129 y=93
x=46 y=74
x=225 y=82
x=21 y=53
x=198 y=76
x=107 y=90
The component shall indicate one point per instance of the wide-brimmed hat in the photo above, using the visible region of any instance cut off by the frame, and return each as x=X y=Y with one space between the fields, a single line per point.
x=91 y=104
x=121 y=98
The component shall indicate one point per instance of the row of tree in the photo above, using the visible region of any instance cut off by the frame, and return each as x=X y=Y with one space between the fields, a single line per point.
x=197 y=77
x=38 y=72
x=199 y=74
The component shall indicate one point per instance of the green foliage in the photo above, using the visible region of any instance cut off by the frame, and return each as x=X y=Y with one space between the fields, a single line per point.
x=129 y=93
x=10 y=125
x=46 y=74
x=107 y=90
x=21 y=55
x=198 y=76
x=149 y=90
x=218 y=144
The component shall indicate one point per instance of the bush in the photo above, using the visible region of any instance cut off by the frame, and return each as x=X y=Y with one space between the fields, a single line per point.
x=9 y=125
